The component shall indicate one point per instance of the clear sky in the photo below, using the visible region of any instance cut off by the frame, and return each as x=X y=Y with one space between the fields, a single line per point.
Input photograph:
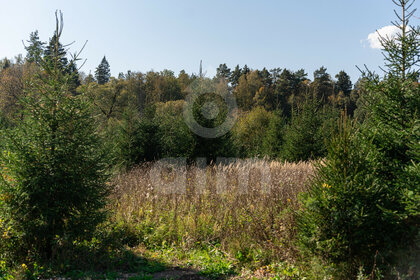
x=167 y=34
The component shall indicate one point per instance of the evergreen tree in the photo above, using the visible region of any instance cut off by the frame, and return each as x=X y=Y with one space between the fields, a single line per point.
x=322 y=86
x=56 y=49
x=363 y=209
x=304 y=137
x=53 y=170
x=223 y=72
x=343 y=83
x=103 y=72
x=35 y=49
x=235 y=75
x=342 y=91
x=265 y=77
x=245 y=70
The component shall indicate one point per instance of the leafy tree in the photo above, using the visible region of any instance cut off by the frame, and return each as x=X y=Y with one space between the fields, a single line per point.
x=184 y=80
x=250 y=132
x=52 y=168
x=109 y=100
x=175 y=138
x=103 y=72
x=248 y=86
x=211 y=147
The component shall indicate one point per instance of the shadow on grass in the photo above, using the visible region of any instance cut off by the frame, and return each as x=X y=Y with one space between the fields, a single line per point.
x=113 y=263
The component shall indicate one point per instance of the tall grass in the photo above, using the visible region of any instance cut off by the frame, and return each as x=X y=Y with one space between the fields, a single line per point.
x=255 y=226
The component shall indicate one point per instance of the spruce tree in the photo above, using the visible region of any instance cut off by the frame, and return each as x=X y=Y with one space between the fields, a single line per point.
x=35 y=49
x=53 y=170
x=235 y=75
x=103 y=72
x=56 y=49
x=363 y=209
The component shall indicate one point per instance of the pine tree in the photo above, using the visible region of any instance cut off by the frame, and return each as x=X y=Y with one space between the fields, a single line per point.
x=245 y=70
x=363 y=209
x=223 y=72
x=235 y=75
x=342 y=90
x=53 y=170
x=322 y=85
x=343 y=83
x=103 y=72
x=35 y=50
x=56 y=49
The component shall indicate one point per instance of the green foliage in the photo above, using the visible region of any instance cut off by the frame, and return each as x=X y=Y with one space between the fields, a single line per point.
x=175 y=138
x=135 y=138
x=53 y=173
x=103 y=72
x=305 y=136
x=274 y=136
x=250 y=131
x=363 y=205
x=35 y=49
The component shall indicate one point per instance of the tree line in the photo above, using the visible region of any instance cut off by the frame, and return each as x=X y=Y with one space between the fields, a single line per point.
x=282 y=113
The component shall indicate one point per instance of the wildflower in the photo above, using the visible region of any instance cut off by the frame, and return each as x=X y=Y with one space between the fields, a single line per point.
x=326 y=186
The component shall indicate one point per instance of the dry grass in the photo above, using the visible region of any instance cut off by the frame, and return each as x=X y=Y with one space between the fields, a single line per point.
x=255 y=225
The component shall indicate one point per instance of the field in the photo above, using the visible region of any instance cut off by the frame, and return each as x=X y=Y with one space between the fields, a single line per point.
x=217 y=231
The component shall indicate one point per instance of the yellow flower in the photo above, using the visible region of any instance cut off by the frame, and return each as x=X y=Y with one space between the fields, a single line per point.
x=24 y=266
x=326 y=186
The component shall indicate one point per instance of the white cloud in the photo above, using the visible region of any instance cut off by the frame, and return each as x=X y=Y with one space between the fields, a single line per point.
x=373 y=38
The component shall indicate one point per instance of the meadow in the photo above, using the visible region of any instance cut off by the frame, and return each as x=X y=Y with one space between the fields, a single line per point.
x=248 y=229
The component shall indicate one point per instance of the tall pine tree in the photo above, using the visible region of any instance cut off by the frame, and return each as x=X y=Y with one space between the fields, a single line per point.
x=103 y=72
x=35 y=49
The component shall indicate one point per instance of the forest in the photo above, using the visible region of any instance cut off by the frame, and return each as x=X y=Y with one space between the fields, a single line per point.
x=264 y=173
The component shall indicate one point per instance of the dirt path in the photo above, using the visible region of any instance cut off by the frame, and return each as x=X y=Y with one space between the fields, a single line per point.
x=180 y=274
x=169 y=274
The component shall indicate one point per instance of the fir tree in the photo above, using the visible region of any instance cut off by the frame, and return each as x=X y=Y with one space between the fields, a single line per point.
x=363 y=209
x=53 y=170
x=35 y=49
x=103 y=72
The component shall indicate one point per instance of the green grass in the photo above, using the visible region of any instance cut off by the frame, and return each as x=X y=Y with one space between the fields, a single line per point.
x=210 y=261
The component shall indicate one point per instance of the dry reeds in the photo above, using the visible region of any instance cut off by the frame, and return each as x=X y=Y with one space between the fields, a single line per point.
x=245 y=206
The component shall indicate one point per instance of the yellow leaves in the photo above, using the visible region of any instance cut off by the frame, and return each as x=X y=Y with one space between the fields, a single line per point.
x=326 y=186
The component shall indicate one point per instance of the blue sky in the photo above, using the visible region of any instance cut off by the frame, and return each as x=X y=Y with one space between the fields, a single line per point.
x=144 y=35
